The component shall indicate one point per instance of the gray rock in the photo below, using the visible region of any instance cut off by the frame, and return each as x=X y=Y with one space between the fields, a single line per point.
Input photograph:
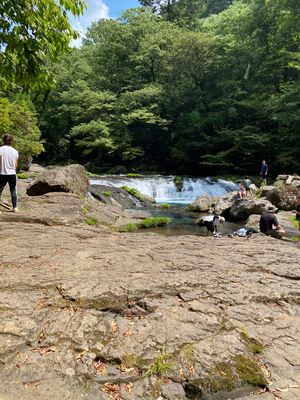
x=243 y=208
x=283 y=197
x=203 y=203
x=223 y=204
x=172 y=391
x=70 y=179
x=113 y=195
x=263 y=190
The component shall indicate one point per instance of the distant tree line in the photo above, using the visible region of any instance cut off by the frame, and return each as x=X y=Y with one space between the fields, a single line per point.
x=181 y=86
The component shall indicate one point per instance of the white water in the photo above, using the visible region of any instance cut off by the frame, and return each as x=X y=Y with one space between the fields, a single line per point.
x=164 y=190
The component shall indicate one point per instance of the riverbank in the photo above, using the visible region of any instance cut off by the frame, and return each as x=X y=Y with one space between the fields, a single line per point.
x=94 y=314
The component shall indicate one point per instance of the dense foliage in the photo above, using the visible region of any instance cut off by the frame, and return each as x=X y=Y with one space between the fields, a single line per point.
x=32 y=32
x=19 y=118
x=183 y=86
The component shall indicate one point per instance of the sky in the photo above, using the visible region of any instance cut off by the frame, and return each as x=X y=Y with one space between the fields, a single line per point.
x=97 y=9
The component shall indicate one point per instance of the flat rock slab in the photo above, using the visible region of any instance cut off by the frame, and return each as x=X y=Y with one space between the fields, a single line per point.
x=85 y=312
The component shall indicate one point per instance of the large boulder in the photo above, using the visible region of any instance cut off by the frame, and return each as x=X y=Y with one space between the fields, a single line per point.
x=263 y=190
x=283 y=196
x=69 y=179
x=243 y=208
x=203 y=203
x=113 y=195
x=224 y=203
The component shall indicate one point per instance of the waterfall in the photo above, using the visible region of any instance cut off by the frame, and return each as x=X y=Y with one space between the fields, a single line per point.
x=164 y=190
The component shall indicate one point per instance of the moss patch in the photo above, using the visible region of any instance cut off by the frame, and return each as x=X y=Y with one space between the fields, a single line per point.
x=221 y=378
x=154 y=222
x=22 y=175
x=187 y=353
x=253 y=345
x=165 y=205
x=249 y=371
x=294 y=221
x=146 y=224
x=107 y=193
x=134 y=192
x=91 y=221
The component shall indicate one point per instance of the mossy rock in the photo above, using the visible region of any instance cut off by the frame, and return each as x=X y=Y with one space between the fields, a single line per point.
x=249 y=371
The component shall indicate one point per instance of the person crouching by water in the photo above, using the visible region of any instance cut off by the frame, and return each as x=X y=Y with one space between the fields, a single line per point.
x=8 y=165
x=269 y=225
x=211 y=223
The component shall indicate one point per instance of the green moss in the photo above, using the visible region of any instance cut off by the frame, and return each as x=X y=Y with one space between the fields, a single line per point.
x=295 y=238
x=108 y=193
x=129 y=360
x=220 y=378
x=161 y=365
x=178 y=182
x=22 y=175
x=134 y=192
x=187 y=353
x=128 y=228
x=133 y=175
x=85 y=209
x=294 y=221
x=253 y=345
x=249 y=371
x=165 y=205
x=154 y=222
x=145 y=224
x=91 y=221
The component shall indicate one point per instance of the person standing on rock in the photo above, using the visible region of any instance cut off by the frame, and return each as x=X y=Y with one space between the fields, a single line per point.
x=264 y=172
x=247 y=183
x=8 y=165
x=266 y=225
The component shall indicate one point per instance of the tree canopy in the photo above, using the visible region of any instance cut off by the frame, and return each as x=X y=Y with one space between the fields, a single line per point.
x=186 y=87
x=32 y=33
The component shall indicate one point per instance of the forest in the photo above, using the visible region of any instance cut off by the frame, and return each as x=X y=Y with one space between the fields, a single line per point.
x=197 y=87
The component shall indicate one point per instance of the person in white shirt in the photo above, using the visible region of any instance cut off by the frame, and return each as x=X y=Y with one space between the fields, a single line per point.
x=8 y=165
x=211 y=222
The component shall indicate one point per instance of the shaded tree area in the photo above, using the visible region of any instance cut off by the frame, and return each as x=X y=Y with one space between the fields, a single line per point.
x=191 y=87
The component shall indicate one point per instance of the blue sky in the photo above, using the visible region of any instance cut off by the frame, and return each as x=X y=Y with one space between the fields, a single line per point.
x=97 y=9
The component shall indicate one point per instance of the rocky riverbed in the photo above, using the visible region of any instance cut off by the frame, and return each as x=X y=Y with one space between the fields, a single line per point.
x=89 y=313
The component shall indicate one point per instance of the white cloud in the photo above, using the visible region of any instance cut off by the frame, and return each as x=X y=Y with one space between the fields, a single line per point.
x=96 y=9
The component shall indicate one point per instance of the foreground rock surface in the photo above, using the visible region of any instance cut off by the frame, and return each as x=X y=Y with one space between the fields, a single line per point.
x=89 y=313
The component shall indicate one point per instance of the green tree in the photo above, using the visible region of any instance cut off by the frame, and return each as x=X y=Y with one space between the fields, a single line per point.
x=19 y=119
x=32 y=33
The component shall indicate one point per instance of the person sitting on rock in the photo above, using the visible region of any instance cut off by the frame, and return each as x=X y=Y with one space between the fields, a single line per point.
x=267 y=223
x=242 y=191
x=297 y=211
x=211 y=222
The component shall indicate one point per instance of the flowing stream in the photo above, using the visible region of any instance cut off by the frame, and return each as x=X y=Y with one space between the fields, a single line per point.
x=164 y=190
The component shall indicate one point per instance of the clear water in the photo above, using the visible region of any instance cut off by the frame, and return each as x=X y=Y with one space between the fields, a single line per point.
x=164 y=190
x=183 y=222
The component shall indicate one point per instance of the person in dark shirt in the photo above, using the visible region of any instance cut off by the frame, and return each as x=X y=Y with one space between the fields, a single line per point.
x=264 y=171
x=297 y=211
x=266 y=225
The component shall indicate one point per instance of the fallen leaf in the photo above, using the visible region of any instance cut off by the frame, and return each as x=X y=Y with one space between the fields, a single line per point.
x=129 y=387
x=100 y=367
x=114 y=327
x=110 y=388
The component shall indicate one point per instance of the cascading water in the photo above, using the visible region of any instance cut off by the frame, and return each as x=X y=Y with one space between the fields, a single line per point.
x=164 y=190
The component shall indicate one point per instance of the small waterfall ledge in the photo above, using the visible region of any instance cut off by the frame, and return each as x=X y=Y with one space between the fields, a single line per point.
x=164 y=190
